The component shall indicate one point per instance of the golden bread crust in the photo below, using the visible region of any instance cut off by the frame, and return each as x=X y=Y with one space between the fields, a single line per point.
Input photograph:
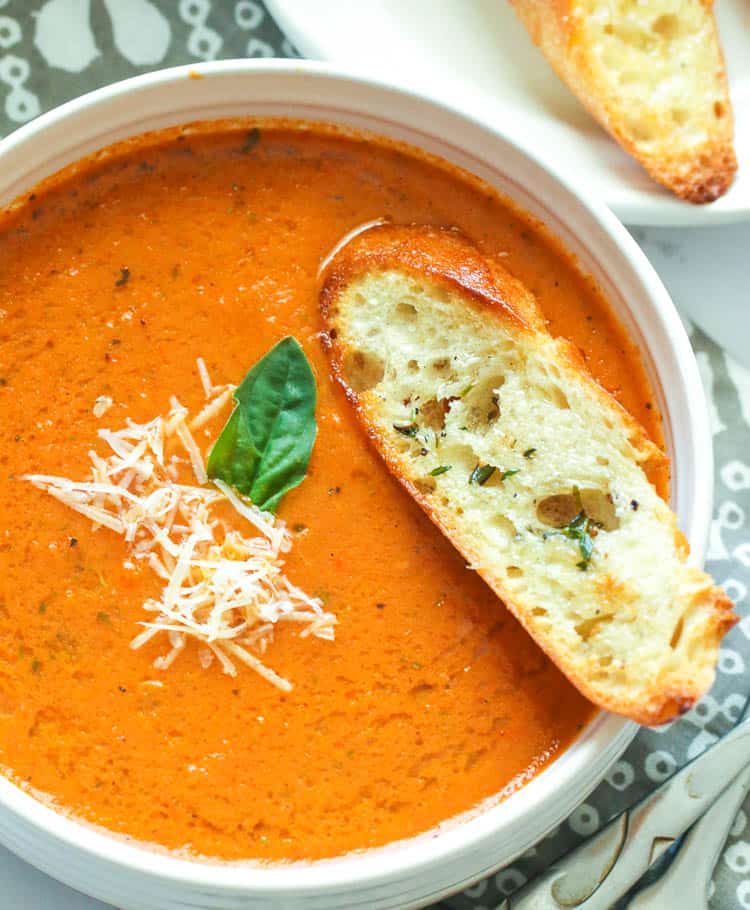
x=445 y=255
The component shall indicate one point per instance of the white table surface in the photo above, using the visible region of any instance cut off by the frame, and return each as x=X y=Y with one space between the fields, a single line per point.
x=24 y=888
x=707 y=272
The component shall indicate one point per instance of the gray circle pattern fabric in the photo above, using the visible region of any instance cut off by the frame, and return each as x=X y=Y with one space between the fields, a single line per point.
x=54 y=50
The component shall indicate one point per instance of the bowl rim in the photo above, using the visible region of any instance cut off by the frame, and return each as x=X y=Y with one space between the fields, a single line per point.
x=420 y=854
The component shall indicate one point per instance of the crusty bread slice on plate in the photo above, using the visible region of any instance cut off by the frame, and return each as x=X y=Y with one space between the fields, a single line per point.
x=532 y=470
x=652 y=73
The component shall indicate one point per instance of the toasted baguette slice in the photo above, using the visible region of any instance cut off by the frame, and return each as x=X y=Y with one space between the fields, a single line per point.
x=652 y=73
x=448 y=364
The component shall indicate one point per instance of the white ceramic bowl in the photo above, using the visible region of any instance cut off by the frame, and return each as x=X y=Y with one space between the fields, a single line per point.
x=415 y=872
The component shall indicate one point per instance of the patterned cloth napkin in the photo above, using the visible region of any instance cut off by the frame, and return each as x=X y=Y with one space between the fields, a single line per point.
x=53 y=50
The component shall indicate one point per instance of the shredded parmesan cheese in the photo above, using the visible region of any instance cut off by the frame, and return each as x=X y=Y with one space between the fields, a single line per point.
x=102 y=404
x=211 y=409
x=225 y=590
x=204 y=377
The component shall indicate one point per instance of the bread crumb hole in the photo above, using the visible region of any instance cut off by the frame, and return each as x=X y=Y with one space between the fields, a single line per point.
x=538 y=611
x=483 y=402
x=631 y=34
x=558 y=398
x=605 y=660
x=432 y=413
x=440 y=366
x=405 y=312
x=639 y=130
x=680 y=116
x=412 y=366
x=463 y=458
x=590 y=627
x=719 y=110
x=515 y=572
x=362 y=370
x=600 y=507
x=666 y=25
x=505 y=525
x=425 y=486
x=600 y=459
x=558 y=510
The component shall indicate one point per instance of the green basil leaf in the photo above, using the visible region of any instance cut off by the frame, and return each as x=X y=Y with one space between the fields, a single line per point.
x=265 y=446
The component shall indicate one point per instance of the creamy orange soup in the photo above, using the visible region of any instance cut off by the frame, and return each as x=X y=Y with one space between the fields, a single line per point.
x=431 y=699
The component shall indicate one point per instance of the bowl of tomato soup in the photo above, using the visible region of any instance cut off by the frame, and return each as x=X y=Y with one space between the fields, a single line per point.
x=384 y=732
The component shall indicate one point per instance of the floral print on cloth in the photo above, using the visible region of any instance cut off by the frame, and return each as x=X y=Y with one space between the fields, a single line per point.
x=53 y=50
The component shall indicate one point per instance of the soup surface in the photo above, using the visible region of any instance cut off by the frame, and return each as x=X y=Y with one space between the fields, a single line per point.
x=114 y=278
